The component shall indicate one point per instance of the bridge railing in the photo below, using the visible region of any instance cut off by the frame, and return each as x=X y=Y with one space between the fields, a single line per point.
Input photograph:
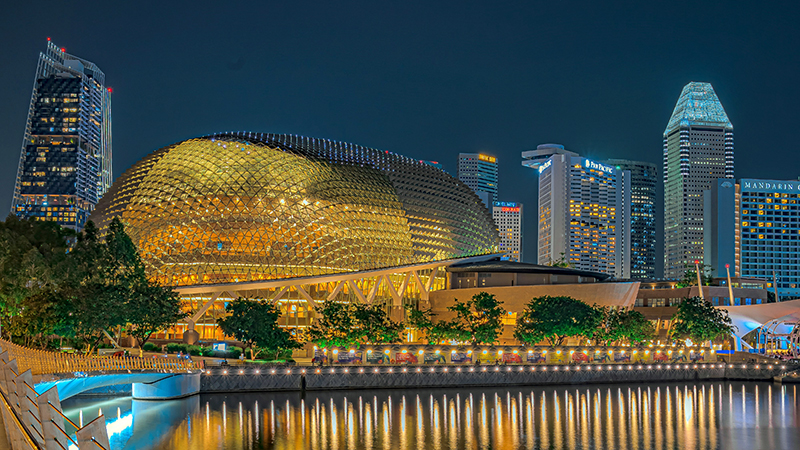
x=45 y=362
x=36 y=421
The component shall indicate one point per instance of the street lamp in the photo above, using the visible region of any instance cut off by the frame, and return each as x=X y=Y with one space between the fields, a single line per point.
x=699 y=279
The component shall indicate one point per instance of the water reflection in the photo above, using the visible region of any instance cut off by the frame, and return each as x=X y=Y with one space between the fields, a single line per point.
x=667 y=416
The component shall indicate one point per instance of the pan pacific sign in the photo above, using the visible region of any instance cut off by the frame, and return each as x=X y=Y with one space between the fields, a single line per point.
x=787 y=186
x=597 y=166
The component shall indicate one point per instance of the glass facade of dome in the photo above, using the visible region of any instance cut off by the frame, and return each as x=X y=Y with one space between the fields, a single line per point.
x=237 y=207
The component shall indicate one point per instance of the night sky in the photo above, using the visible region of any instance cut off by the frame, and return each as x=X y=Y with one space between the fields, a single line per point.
x=423 y=79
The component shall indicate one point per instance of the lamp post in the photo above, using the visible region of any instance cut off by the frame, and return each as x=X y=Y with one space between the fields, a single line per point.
x=699 y=279
x=730 y=286
x=775 y=286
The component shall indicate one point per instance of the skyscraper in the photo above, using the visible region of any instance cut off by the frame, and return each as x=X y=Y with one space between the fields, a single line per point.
x=479 y=172
x=65 y=162
x=644 y=176
x=584 y=211
x=698 y=150
x=508 y=218
x=752 y=227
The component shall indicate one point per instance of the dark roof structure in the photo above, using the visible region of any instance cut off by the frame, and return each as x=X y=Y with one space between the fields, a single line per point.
x=499 y=266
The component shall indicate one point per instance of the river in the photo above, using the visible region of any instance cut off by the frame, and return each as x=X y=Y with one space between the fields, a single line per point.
x=686 y=416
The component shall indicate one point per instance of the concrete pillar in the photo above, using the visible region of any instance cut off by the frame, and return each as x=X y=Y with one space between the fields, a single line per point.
x=93 y=431
x=52 y=422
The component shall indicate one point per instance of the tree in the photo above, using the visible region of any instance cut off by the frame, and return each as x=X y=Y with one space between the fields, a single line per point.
x=32 y=259
x=374 y=324
x=436 y=331
x=148 y=306
x=690 y=276
x=628 y=325
x=152 y=308
x=555 y=319
x=351 y=325
x=52 y=283
x=333 y=326
x=96 y=290
x=37 y=319
x=700 y=321
x=478 y=320
x=255 y=323
x=560 y=262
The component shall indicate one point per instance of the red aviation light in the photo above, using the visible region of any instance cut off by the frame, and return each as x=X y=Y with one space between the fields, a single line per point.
x=48 y=39
x=110 y=90
x=63 y=49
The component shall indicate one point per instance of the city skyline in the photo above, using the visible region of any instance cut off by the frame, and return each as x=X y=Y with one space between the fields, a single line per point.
x=438 y=102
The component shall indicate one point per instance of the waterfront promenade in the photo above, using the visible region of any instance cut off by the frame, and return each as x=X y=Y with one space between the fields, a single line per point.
x=265 y=378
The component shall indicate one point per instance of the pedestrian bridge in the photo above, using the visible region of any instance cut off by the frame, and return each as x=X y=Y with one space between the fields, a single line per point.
x=146 y=385
x=34 y=382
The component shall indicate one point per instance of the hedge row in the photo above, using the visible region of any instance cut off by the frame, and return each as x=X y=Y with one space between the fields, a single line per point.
x=194 y=350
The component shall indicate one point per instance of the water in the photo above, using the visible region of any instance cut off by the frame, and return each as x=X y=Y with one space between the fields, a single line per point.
x=716 y=415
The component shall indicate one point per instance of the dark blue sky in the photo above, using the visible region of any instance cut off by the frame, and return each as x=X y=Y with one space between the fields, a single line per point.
x=424 y=79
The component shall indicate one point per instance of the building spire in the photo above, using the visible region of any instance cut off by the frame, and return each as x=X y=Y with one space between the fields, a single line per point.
x=698 y=105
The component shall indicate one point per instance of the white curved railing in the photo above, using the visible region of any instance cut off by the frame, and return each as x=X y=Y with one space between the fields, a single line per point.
x=36 y=421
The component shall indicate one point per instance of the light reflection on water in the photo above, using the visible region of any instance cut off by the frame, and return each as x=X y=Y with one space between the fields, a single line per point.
x=631 y=417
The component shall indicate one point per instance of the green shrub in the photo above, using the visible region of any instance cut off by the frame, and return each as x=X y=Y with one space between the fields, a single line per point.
x=208 y=351
x=150 y=347
x=173 y=347
x=194 y=350
x=234 y=352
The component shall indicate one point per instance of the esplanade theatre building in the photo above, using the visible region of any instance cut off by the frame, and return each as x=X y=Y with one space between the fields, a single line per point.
x=297 y=221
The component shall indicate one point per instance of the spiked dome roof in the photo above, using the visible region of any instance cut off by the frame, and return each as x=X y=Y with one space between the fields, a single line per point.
x=235 y=207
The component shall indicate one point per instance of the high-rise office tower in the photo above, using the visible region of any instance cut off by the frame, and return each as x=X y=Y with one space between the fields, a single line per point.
x=698 y=149
x=479 y=172
x=752 y=227
x=644 y=176
x=65 y=163
x=508 y=218
x=584 y=211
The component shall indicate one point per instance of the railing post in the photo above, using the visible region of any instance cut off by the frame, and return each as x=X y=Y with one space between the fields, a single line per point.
x=93 y=431
x=55 y=436
x=10 y=371
x=29 y=413
x=5 y=358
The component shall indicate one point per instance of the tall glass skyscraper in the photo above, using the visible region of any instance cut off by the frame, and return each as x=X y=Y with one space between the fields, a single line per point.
x=698 y=150
x=65 y=162
x=479 y=172
x=644 y=176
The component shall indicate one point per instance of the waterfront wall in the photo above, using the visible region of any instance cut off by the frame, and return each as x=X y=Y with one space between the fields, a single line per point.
x=399 y=377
